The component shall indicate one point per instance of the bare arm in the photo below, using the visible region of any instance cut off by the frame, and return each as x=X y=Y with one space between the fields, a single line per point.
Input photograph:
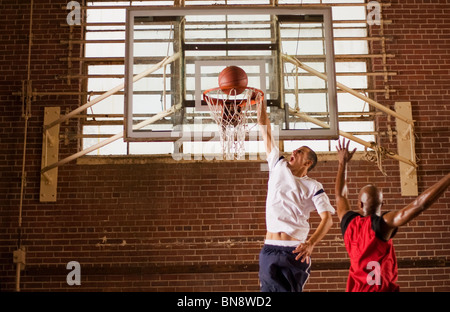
x=265 y=128
x=341 y=192
x=304 y=250
x=398 y=218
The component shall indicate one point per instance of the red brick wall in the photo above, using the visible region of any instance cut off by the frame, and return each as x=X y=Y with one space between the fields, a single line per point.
x=200 y=226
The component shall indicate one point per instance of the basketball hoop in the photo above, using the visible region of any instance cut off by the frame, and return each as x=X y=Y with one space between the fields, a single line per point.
x=234 y=115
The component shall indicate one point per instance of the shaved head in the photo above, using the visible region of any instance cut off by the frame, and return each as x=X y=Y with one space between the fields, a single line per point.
x=370 y=199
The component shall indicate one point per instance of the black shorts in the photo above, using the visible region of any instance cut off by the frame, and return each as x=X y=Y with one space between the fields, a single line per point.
x=280 y=272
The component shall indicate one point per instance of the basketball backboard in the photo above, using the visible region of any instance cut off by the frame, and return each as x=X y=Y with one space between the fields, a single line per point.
x=201 y=41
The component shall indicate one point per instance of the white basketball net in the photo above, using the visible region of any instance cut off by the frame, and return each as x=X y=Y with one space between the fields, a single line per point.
x=235 y=118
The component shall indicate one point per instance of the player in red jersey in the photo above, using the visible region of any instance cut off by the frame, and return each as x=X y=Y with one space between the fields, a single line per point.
x=368 y=234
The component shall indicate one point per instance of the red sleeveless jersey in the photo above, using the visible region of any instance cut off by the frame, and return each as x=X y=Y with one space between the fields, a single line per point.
x=373 y=265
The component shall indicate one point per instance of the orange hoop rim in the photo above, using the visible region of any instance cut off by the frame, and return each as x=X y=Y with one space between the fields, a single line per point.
x=215 y=101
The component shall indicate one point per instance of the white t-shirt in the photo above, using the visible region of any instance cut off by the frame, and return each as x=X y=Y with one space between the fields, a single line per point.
x=290 y=199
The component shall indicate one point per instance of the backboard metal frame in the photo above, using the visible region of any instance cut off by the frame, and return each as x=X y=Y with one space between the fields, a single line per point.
x=276 y=103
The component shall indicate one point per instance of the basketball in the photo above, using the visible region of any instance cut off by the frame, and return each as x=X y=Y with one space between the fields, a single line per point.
x=233 y=77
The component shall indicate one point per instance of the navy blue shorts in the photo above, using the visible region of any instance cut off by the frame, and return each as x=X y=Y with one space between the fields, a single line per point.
x=280 y=272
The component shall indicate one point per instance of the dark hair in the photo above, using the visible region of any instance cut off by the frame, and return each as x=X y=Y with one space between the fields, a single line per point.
x=312 y=156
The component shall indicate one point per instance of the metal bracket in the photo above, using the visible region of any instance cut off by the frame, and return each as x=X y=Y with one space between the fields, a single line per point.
x=50 y=151
x=19 y=257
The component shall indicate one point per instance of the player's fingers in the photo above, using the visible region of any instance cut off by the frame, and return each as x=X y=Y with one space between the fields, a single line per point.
x=350 y=154
x=297 y=249
x=304 y=257
x=299 y=256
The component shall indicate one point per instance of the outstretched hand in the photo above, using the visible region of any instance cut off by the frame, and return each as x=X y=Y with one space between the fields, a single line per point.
x=344 y=155
x=304 y=251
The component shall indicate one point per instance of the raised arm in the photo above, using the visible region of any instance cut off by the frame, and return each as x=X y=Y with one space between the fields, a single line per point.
x=341 y=192
x=265 y=128
x=398 y=218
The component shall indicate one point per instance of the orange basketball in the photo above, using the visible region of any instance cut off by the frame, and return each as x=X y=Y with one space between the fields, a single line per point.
x=233 y=77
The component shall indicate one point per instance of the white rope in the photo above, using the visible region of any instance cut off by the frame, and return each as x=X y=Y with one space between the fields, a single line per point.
x=377 y=155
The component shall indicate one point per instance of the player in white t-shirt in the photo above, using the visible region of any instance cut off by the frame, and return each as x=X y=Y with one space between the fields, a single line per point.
x=285 y=259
